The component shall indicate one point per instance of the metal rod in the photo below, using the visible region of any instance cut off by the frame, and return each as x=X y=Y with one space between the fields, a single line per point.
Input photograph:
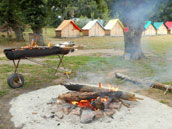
x=40 y=63
x=60 y=62
x=16 y=69
x=16 y=65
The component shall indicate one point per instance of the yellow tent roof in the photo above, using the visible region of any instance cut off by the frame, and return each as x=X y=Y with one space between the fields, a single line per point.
x=111 y=24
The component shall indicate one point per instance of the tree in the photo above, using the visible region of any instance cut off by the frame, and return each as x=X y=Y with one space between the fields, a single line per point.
x=12 y=16
x=67 y=9
x=35 y=13
x=133 y=13
x=166 y=12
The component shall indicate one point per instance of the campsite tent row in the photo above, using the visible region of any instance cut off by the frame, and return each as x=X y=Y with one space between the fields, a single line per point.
x=157 y=28
x=113 y=28
x=93 y=28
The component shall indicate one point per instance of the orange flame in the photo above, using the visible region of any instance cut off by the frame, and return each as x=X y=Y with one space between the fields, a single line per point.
x=100 y=85
x=49 y=44
x=104 y=99
x=87 y=103
x=112 y=88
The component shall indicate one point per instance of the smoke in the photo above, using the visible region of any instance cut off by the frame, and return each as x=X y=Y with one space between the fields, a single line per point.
x=132 y=13
x=135 y=12
x=164 y=70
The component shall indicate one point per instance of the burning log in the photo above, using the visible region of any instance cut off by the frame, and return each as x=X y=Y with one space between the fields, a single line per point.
x=152 y=84
x=78 y=96
x=84 y=87
x=94 y=97
x=100 y=91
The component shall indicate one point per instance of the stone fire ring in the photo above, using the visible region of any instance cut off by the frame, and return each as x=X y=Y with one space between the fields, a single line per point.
x=29 y=110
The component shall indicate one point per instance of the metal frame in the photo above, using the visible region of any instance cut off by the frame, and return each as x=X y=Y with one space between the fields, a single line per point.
x=60 y=62
x=16 y=69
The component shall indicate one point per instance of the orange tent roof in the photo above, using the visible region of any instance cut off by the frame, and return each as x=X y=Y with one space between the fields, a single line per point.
x=65 y=23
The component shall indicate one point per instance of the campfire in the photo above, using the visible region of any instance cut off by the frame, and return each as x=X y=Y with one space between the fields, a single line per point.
x=93 y=102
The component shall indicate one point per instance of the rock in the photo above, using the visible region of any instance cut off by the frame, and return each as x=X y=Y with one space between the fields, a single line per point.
x=59 y=115
x=76 y=111
x=66 y=109
x=87 y=116
x=115 y=105
x=59 y=101
x=34 y=113
x=98 y=114
x=109 y=112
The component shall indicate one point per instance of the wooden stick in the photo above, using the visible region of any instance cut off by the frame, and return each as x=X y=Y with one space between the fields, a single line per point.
x=152 y=84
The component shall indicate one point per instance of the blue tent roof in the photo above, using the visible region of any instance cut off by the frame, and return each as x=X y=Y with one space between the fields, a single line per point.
x=147 y=24
x=157 y=24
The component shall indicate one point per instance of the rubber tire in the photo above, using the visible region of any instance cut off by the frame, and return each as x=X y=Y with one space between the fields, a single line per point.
x=13 y=80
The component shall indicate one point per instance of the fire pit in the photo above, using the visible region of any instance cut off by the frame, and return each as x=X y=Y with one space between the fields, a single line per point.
x=90 y=102
x=16 y=80
x=40 y=110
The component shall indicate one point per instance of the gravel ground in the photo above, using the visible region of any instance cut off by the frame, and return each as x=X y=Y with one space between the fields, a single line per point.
x=31 y=111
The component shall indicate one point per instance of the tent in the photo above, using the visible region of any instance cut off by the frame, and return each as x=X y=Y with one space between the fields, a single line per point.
x=160 y=28
x=169 y=26
x=149 y=29
x=93 y=28
x=114 y=28
x=68 y=29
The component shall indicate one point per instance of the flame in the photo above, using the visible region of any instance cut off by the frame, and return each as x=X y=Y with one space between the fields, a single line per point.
x=104 y=99
x=100 y=85
x=111 y=88
x=49 y=44
x=74 y=102
x=88 y=103
x=83 y=103
x=32 y=45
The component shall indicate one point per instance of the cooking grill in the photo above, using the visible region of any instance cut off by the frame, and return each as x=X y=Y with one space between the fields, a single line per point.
x=23 y=53
x=16 y=80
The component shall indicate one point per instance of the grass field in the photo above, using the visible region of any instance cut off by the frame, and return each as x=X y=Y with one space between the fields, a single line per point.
x=156 y=66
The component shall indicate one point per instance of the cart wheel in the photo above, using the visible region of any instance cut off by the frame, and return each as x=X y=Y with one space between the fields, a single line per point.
x=15 y=80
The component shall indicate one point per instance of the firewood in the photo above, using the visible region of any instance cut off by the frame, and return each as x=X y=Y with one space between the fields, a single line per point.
x=83 y=87
x=162 y=86
x=92 y=88
x=77 y=96
x=152 y=84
